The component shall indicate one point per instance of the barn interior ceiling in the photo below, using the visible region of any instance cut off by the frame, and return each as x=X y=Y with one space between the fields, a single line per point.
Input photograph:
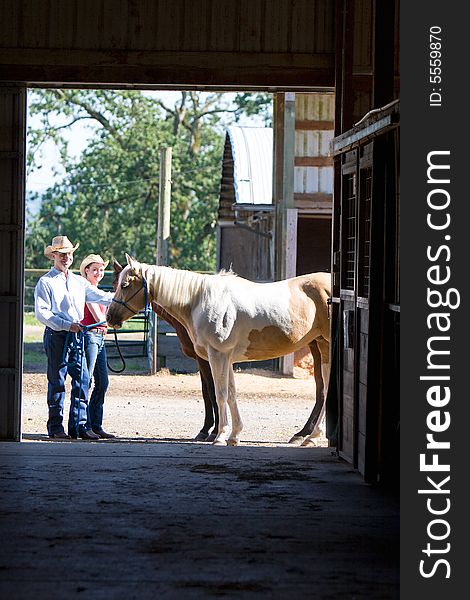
x=177 y=88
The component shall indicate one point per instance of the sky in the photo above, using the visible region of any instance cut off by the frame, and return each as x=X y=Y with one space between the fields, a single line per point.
x=79 y=133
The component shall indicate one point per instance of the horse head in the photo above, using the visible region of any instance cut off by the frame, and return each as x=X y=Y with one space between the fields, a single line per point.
x=130 y=292
x=117 y=269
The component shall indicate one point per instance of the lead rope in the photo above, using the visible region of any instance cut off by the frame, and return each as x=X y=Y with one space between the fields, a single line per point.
x=118 y=348
x=77 y=340
x=146 y=311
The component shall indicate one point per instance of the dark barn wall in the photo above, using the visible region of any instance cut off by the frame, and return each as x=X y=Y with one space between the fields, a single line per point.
x=161 y=44
x=275 y=45
x=313 y=245
x=366 y=310
x=12 y=214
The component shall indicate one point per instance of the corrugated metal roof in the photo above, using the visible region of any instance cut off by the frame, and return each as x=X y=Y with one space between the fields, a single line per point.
x=252 y=151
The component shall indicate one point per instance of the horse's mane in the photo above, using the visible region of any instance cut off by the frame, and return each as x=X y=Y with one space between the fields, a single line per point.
x=178 y=285
x=227 y=273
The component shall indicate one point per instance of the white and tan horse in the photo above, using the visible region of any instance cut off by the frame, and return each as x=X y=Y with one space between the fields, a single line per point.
x=230 y=319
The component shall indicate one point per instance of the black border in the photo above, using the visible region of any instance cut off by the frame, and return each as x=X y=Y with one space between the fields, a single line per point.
x=425 y=129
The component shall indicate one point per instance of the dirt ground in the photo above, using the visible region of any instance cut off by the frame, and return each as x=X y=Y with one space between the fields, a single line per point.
x=170 y=406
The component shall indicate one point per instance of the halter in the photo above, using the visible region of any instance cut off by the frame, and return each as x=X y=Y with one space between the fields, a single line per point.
x=126 y=304
x=134 y=312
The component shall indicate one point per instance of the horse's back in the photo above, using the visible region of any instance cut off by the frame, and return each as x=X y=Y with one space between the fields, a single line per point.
x=319 y=279
x=315 y=286
x=261 y=299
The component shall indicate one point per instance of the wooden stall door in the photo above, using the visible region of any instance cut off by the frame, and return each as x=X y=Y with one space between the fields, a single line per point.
x=347 y=322
x=364 y=201
x=356 y=190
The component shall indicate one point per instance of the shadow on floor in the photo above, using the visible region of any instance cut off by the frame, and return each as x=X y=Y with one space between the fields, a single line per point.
x=166 y=519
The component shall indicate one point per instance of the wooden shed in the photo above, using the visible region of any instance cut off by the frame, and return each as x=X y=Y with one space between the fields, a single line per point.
x=245 y=227
x=251 y=179
x=256 y=168
x=313 y=180
x=288 y=48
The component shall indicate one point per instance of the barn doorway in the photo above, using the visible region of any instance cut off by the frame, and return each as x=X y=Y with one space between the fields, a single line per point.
x=303 y=255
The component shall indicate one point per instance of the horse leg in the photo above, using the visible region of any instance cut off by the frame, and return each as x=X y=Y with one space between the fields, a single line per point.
x=307 y=429
x=319 y=428
x=237 y=424
x=220 y=364
x=207 y=383
x=211 y=416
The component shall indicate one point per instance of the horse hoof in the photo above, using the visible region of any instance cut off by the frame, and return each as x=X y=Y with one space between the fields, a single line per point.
x=232 y=442
x=211 y=437
x=201 y=437
x=219 y=443
x=296 y=440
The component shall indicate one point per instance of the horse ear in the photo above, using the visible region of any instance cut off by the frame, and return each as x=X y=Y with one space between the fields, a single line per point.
x=132 y=263
x=117 y=266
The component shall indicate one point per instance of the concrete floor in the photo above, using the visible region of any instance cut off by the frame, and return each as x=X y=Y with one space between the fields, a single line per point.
x=112 y=520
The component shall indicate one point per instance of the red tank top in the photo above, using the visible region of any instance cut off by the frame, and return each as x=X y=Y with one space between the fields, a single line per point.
x=89 y=319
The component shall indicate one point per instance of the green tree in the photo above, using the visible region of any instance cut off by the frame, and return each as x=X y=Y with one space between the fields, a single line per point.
x=108 y=198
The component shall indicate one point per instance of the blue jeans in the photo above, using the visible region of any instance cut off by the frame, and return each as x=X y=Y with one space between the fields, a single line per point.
x=54 y=342
x=97 y=363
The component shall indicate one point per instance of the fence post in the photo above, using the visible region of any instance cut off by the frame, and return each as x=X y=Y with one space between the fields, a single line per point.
x=163 y=229
x=163 y=238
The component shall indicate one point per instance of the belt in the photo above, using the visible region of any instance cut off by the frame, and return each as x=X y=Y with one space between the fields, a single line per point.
x=99 y=330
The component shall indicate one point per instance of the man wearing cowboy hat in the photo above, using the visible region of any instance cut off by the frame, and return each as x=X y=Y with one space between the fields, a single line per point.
x=60 y=297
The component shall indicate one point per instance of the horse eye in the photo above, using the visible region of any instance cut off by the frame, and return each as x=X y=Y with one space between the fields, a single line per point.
x=125 y=284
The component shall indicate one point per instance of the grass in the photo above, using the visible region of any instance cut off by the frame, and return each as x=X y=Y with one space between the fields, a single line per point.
x=34 y=357
x=30 y=319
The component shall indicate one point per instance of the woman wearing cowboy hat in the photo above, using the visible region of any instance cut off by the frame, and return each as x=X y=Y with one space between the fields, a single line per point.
x=92 y=268
x=60 y=297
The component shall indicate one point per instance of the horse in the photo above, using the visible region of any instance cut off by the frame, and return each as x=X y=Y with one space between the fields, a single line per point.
x=231 y=319
x=211 y=416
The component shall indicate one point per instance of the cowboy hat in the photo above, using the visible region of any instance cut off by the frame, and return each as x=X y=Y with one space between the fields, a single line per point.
x=60 y=243
x=92 y=258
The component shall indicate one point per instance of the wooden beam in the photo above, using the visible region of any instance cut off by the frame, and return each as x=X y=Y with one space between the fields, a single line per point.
x=284 y=144
x=376 y=122
x=279 y=70
x=305 y=125
x=287 y=361
x=317 y=202
x=313 y=197
x=344 y=72
x=313 y=161
x=12 y=167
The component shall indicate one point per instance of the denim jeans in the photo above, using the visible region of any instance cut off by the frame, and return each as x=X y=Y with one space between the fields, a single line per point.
x=54 y=342
x=97 y=363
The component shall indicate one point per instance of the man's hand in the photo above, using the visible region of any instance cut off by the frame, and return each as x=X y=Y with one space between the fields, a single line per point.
x=75 y=327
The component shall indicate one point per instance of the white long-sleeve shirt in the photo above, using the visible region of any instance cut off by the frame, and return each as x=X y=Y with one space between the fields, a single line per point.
x=59 y=301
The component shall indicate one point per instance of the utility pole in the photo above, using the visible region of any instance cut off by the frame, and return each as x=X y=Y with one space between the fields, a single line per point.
x=163 y=230
x=163 y=239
